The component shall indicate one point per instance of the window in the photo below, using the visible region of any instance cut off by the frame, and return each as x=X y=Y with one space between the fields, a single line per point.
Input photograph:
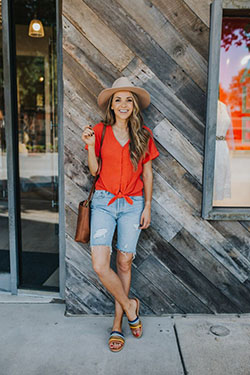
x=226 y=182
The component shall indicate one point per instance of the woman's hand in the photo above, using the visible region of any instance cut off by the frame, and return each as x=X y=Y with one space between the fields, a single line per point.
x=88 y=135
x=145 y=217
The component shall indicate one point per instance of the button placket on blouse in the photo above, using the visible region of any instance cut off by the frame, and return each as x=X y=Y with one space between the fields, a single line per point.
x=120 y=176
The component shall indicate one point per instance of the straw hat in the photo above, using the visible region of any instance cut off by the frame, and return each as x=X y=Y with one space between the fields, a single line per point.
x=123 y=84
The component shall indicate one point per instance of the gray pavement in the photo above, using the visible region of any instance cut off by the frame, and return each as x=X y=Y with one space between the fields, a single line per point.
x=38 y=339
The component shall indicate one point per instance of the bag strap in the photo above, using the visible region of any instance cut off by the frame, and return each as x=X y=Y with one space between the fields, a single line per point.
x=98 y=170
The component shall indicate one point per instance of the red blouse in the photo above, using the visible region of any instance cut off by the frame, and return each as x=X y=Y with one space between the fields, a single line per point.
x=117 y=175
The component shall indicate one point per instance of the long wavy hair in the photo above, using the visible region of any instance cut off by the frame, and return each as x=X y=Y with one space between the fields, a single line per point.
x=139 y=136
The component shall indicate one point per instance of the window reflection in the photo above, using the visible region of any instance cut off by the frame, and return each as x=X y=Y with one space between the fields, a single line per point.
x=36 y=77
x=232 y=156
x=4 y=212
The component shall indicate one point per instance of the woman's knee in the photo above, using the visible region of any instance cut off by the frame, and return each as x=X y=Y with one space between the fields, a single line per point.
x=124 y=261
x=100 y=259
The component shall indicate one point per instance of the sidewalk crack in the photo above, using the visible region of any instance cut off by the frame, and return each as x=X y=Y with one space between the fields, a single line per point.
x=179 y=350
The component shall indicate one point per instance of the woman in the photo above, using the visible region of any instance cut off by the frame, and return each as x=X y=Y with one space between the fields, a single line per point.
x=126 y=155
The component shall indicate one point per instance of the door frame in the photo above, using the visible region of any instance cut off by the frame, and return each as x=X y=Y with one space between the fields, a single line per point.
x=11 y=146
x=61 y=188
x=10 y=281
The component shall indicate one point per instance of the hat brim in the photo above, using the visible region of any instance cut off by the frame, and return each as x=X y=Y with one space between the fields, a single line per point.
x=143 y=96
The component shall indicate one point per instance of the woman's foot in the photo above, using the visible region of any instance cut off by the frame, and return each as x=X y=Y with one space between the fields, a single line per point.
x=116 y=345
x=116 y=341
x=133 y=318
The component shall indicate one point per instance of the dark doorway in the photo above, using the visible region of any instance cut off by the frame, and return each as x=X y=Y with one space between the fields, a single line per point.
x=36 y=82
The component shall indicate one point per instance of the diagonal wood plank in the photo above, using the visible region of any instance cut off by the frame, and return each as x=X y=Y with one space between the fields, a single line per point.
x=236 y=234
x=201 y=9
x=178 y=264
x=186 y=22
x=142 y=44
x=183 y=263
x=87 y=55
x=213 y=270
x=179 y=179
x=167 y=103
x=182 y=52
x=212 y=240
x=164 y=280
x=95 y=30
x=179 y=147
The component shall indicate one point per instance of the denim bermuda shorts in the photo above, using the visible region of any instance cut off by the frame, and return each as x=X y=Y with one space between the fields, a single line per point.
x=104 y=219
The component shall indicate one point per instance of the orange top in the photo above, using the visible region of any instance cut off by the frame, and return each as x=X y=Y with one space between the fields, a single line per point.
x=117 y=175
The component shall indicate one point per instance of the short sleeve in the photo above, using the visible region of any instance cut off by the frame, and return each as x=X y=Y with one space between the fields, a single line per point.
x=152 y=151
x=98 y=133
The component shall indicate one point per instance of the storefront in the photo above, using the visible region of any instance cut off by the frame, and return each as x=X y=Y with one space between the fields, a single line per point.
x=193 y=58
x=29 y=147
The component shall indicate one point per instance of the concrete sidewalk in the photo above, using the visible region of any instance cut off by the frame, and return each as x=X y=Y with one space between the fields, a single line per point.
x=38 y=339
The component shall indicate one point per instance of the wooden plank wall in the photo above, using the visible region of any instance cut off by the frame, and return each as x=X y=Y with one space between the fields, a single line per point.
x=184 y=264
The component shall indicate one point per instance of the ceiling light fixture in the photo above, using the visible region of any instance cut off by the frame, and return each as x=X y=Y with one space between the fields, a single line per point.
x=36 y=29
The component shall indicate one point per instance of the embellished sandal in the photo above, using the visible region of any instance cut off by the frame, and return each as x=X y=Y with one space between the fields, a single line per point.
x=116 y=337
x=136 y=324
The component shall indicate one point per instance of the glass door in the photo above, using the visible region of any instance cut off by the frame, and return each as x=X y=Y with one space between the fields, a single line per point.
x=4 y=212
x=36 y=78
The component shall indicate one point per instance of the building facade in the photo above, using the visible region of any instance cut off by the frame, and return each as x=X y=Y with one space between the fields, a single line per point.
x=194 y=258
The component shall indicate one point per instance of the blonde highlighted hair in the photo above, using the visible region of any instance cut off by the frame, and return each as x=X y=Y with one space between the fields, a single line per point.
x=139 y=136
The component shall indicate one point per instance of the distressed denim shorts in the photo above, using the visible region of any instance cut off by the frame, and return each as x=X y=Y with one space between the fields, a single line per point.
x=104 y=219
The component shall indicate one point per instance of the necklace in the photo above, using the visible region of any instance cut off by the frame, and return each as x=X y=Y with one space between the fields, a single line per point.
x=121 y=139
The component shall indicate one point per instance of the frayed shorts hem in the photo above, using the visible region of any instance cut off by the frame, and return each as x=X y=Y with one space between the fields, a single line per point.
x=127 y=252
x=117 y=249
x=110 y=247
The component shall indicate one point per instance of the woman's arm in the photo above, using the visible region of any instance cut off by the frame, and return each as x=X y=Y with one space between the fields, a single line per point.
x=147 y=177
x=88 y=136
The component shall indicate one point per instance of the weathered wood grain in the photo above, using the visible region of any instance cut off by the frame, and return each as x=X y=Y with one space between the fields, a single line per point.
x=188 y=275
x=79 y=94
x=167 y=103
x=246 y=224
x=82 y=75
x=178 y=178
x=179 y=148
x=183 y=263
x=201 y=9
x=186 y=22
x=95 y=30
x=182 y=52
x=73 y=194
x=78 y=113
x=76 y=170
x=152 y=116
x=213 y=270
x=70 y=224
x=72 y=134
x=216 y=244
x=92 y=299
x=167 y=283
x=149 y=295
x=142 y=44
x=164 y=223
x=87 y=55
x=236 y=234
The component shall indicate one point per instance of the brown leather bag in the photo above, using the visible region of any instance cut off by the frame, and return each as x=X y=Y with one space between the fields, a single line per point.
x=83 y=220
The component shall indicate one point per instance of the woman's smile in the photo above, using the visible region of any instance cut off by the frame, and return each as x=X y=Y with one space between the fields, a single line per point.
x=122 y=104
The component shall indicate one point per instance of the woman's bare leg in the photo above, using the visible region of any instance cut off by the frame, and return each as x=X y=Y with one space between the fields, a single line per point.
x=123 y=265
x=111 y=281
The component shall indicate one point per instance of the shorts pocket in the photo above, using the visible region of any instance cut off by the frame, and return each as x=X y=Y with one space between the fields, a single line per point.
x=99 y=194
x=137 y=198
